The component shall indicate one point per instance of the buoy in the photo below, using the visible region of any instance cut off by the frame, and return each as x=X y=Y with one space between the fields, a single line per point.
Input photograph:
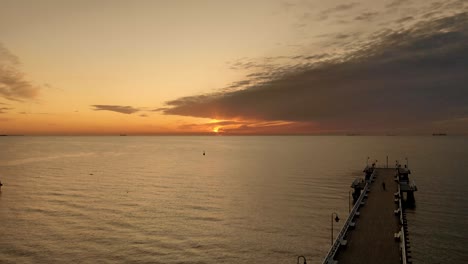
x=203 y=153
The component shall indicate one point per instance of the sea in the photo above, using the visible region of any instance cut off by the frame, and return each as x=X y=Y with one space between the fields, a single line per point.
x=248 y=199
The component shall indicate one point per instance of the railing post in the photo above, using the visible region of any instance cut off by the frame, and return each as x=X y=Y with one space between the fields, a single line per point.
x=349 y=201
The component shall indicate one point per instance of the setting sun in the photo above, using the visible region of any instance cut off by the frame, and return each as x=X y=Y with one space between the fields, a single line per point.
x=216 y=129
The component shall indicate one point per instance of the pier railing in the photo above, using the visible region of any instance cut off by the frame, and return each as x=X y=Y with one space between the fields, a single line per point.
x=336 y=245
x=402 y=231
x=400 y=207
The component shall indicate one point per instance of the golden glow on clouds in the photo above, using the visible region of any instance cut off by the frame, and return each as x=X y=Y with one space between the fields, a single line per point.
x=128 y=54
x=147 y=53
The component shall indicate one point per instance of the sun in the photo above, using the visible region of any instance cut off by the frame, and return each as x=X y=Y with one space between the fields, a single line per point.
x=216 y=129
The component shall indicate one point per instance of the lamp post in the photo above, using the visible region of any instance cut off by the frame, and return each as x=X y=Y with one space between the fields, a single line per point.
x=407 y=166
x=298 y=258
x=336 y=220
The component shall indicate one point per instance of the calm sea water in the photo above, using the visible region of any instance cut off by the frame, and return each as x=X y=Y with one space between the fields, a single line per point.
x=248 y=200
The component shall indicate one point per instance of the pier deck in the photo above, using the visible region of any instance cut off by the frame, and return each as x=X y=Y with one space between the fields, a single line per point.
x=372 y=240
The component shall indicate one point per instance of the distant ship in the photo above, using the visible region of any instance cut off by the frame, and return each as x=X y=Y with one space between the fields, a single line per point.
x=439 y=134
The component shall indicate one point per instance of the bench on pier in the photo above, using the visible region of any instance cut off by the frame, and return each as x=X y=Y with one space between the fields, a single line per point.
x=397 y=194
x=357 y=214
x=397 y=236
x=343 y=242
x=397 y=211
x=352 y=225
x=397 y=200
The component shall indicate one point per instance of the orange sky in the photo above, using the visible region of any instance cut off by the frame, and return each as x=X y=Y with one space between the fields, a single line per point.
x=100 y=67
x=142 y=53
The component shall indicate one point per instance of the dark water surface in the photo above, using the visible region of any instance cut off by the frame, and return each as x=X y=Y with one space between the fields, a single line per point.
x=249 y=200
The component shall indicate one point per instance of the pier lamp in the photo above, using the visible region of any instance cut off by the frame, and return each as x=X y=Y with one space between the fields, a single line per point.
x=336 y=220
x=298 y=258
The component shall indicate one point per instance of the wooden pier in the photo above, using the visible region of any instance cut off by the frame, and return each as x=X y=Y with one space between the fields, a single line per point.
x=375 y=231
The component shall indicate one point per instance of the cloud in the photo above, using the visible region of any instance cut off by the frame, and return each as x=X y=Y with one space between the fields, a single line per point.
x=160 y=109
x=250 y=127
x=399 y=78
x=7 y=57
x=13 y=85
x=397 y=3
x=341 y=7
x=443 y=8
x=336 y=9
x=4 y=110
x=116 y=108
x=367 y=16
x=405 y=19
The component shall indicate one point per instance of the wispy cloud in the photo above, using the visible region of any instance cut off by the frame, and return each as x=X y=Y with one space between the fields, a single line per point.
x=4 y=110
x=397 y=3
x=367 y=16
x=7 y=57
x=397 y=78
x=13 y=84
x=405 y=19
x=337 y=9
x=116 y=108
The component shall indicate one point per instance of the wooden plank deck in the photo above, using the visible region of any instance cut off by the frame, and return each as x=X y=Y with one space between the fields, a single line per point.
x=372 y=241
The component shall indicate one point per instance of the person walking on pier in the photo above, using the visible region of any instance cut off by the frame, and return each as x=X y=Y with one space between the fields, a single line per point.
x=383 y=186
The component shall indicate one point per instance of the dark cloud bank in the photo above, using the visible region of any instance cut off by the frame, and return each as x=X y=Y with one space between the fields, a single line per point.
x=403 y=79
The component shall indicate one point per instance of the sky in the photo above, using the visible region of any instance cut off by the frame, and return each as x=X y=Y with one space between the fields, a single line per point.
x=233 y=67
